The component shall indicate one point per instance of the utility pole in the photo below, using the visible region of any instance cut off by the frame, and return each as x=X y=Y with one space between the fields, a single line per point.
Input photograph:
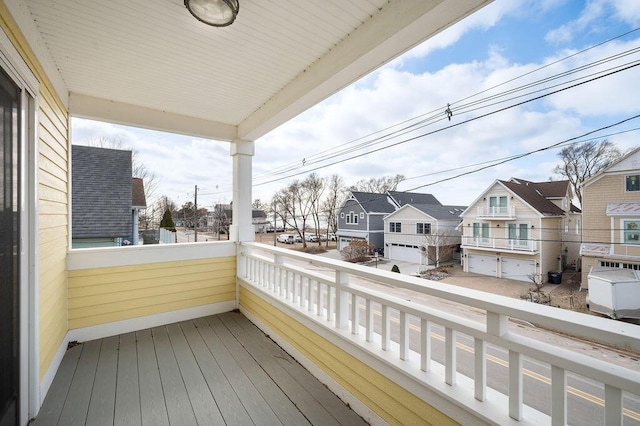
x=195 y=215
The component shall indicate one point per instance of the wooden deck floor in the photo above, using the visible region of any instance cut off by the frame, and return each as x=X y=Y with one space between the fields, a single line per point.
x=214 y=370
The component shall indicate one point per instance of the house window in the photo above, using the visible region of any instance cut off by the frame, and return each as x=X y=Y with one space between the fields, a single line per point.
x=577 y=226
x=631 y=231
x=566 y=226
x=518 y=231
x=361 y=215
x=423 y=228
x=351 y=218
x=633 y=183
x=395 y=227
x=498 y=204
x=342 y=215
x=481 y=230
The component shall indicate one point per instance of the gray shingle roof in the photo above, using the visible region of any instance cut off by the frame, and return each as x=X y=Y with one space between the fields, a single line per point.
x=413 y=198
x=441 y=212
x=533 y=193
x=138 y=198
x=372 y=202
x=101 y=192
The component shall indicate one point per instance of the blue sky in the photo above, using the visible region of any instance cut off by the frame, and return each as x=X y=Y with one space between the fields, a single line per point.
x=504 y=40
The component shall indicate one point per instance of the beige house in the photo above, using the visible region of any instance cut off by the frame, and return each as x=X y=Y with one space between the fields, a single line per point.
x=519 y=229
x=611 y=217
x=424 y=234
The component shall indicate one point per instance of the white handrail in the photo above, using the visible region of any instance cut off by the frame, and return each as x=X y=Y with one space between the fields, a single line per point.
x=327 y=298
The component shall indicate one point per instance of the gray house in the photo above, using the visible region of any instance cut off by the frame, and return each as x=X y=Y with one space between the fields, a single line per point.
x=103 y=203
x=362 y=214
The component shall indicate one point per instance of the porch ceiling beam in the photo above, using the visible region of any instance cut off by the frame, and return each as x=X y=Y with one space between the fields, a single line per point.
x=399 y=26
x=89 y=107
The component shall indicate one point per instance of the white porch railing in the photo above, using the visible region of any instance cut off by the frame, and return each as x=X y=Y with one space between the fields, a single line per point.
x=342 y=300
x=500 y=243
x=497 y=212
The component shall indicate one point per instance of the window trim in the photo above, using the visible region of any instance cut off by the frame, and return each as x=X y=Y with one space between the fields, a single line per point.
x=626 y=183
x=426 y=228
x=395 y=227
x=635 y=232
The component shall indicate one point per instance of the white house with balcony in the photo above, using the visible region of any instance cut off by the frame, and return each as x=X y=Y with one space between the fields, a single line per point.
x=175 y=334
x=517 y=229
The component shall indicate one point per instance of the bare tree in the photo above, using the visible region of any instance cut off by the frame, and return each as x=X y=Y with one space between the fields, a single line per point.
x=332 y=202
x=221 y=219
x=581 y=161
x=314 y=186
x=438 y=247
x=378 y=185
x=295 y=205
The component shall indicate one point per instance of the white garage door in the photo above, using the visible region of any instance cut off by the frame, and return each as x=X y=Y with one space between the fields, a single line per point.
x=518 y=269
x=404 y=253
x=482 y=264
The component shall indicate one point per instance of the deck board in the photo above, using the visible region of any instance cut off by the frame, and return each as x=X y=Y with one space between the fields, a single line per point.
x=53 y=403
x=210 y=371
x=104 y=387
x=251 y=399
x=76 y=405
x=127 y=403
x=152 y=406
x=231 y=408
x=280 y=403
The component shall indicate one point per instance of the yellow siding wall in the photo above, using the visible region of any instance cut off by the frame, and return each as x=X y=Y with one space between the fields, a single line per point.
x=103 y=295
x=53 y=161
x=390 y=401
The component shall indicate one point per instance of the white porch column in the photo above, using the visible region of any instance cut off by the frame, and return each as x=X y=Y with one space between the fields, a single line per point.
x=241 y=227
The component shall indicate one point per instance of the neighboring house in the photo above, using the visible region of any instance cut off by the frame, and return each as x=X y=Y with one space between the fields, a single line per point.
x=517 y=228
x=611 y=217
x=361 y=217
x=221 y=216
x=422 y=233
x=104 y=210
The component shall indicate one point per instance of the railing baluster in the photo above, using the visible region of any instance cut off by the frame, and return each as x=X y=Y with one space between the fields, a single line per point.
x=369 y=320
x=312 y=284
x=450 y=356
x=559 y=396
x=425 y=345
x=612 y=405
x=515 y=385
x=342 y=301
x=304 y=284
x=329 y=302
x=480 y=369
x=386 y=328
x=294 y=288
x=404 y=336
x=355 y=314
x=319 y=298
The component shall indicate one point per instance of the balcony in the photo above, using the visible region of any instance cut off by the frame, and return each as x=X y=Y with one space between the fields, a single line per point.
x=499 y=213
x=397 y=349
x=501 y=244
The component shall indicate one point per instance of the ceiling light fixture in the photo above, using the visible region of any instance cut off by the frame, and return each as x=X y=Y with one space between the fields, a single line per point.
x=218 y=13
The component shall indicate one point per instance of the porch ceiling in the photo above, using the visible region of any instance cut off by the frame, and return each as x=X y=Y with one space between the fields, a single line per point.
x=151 y=64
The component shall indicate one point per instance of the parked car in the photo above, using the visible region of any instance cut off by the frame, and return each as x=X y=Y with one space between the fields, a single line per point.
x=332 y=236
x=312 y=238
x=285 y=238
x=297 y=239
